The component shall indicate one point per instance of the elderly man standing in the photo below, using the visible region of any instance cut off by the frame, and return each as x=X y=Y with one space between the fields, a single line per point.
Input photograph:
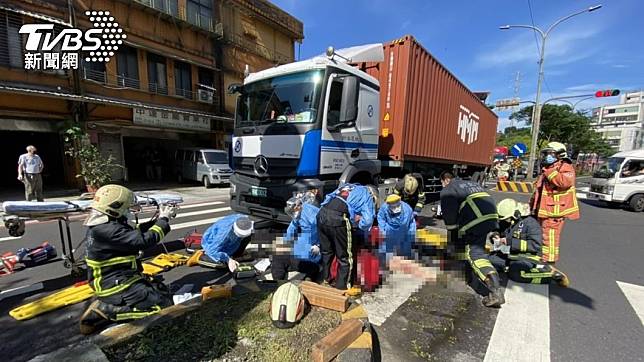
x=29 y=168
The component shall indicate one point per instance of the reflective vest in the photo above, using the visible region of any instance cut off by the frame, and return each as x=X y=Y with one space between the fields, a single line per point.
x=555 y=194
x=480 y=216
x=104 y=287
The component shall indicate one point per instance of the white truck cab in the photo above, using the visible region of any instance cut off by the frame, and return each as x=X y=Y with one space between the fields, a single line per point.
x=620 y=180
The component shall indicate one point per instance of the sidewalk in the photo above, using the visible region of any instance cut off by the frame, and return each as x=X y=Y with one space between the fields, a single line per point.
x=190 y=192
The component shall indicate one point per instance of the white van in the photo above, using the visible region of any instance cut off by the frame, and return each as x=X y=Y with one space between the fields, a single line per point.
x=620 y=180
x=208 y=166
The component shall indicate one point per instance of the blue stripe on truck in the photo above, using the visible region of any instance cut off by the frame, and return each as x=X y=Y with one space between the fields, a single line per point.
x=310 y=157
x=351 y=145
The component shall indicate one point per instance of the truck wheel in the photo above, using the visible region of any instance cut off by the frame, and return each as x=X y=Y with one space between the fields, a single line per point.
x=476 y=177
x=637 y=203
x=206 y=182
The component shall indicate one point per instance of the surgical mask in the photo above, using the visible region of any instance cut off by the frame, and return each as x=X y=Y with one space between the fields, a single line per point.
x=396 y=208
x=550 y=159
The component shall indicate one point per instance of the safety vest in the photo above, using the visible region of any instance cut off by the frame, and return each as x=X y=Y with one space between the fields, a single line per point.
x=471 y=203
x=104 y=287
x=555 y=194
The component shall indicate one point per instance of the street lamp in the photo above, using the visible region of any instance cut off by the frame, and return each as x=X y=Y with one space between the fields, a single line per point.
x=536 y=110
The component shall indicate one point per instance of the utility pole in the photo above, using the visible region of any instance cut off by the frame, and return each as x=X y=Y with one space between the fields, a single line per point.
x=536 y=110
x=517 y=88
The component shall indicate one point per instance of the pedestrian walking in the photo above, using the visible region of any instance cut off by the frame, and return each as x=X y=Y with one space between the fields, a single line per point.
x=30 y=167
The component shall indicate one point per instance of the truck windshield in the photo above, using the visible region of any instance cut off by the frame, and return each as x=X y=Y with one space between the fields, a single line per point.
x=609 y=169
x=213 y=158
x=291 y=98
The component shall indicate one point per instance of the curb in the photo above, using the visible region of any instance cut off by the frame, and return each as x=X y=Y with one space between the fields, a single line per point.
x=515 y=186
x=361 y=350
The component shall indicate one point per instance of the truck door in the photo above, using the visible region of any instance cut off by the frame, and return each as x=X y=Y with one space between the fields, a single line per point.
x=344 y=143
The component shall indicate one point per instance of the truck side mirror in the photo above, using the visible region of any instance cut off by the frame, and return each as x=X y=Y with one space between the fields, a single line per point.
x=236 y=88
x=349 y=101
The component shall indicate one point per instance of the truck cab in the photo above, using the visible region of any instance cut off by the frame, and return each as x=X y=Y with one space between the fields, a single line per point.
x=620 y=180
x=306 y=125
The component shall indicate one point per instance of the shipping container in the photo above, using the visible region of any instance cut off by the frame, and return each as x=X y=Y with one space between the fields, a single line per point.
x=427 y=114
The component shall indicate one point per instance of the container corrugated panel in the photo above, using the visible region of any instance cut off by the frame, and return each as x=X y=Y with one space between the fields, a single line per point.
x=427 y=113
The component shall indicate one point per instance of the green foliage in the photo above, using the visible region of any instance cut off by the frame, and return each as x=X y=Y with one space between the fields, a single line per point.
x=96 y=170
x=559 y=123
x=513 y=135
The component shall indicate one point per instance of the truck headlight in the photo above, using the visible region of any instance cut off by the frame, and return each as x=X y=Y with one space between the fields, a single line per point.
x=609 y=189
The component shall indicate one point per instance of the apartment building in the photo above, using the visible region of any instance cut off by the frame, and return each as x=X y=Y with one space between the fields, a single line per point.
x=622 y=125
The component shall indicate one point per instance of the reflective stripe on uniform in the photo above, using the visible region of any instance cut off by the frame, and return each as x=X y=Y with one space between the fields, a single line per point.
x=137 y=314
x=524 y=245
x=553 y=175
x=477 y=264
x=97 y=274
x=349 y=242
x=157 y=229
x=530 y=257
x=469 y=200
x=451 y=227
x=475 y=222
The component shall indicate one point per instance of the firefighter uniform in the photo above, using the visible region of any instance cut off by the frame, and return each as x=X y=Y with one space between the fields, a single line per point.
x=524 y=238
x=411 y=191
x=554 y=201
x=470 y=214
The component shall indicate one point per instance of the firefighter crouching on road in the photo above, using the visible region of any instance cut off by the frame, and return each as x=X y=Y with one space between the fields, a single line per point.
x=470 y=215
x=554 y=198
x=518 y=247
x=411 y=191
x=114 y=272
x=351 y=205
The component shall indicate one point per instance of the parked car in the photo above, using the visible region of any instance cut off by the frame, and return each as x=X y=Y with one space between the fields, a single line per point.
x=205 y=165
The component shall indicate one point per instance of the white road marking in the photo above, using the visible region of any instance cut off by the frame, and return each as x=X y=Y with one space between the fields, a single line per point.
x=194 y=223
x=386 y=300
x=522 y=328
x=635 y=296
x=202 y=212
x=191 y=206
x=9 y=238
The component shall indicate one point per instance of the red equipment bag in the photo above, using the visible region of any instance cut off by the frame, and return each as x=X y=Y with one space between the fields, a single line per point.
x=368 y=270
x=7 y=263
x=192 y=241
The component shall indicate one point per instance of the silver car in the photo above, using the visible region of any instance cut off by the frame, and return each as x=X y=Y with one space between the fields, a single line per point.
x=208 y=166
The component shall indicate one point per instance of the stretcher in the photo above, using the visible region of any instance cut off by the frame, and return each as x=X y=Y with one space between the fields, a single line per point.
x=68 y=296
x=15 y=213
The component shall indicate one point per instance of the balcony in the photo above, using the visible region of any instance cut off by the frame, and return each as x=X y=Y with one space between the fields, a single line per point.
x=172 y=8
x=255 y=48
x=274 y=15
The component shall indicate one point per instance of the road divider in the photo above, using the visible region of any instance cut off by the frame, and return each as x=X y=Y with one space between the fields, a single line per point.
x=514 y=186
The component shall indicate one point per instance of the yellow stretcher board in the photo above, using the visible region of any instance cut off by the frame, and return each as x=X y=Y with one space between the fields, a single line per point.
x=68 y=296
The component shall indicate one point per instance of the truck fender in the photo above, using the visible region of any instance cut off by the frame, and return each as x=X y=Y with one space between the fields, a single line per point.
x=372 y=168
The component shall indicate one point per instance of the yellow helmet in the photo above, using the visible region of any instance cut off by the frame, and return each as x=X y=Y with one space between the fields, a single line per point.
x=506 y=209
x=113 y=200
x=392 y=199
x=411 y=184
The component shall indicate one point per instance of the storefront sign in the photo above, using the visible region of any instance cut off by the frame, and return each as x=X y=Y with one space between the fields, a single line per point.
x=161 y=119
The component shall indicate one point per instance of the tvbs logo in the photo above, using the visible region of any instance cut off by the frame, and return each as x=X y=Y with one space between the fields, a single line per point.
x=49 y=49
x=468 y=125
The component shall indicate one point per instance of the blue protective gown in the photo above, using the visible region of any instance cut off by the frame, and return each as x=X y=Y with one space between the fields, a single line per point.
x=360 y=202
x=304 y=231
x=399 y=231
x=220 y=241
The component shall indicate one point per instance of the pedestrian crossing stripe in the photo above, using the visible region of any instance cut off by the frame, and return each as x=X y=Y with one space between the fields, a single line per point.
x=513 y=186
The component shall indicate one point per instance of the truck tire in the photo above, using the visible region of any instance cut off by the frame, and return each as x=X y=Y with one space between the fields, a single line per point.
x=476 y=177
x=206 y=182
x=637 y=203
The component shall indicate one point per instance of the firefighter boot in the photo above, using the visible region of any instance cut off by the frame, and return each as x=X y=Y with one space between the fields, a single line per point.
x=559 y=277
x=99 y=314
x=495 y=297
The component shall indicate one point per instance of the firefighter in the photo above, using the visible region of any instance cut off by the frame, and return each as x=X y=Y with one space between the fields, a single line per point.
x=114 y=271
x=223 y=240
x=397 y=226
x=303 y=233
x=410 y=189
x=350 y=206
x=519 y=247
x=554 y=198
x=470 y=214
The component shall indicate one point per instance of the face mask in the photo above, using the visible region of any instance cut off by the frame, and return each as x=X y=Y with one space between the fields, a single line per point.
x=395 y=209
x=550 y=159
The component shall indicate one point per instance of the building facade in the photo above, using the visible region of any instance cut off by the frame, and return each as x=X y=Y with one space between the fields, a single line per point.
x=622 y=125
x=160 y=89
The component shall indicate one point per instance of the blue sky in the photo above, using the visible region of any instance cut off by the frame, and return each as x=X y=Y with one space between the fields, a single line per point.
x=597 y=50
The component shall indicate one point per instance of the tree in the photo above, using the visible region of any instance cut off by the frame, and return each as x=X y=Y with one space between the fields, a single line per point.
x=559 y=123
x=95 y=169
x=513 y=135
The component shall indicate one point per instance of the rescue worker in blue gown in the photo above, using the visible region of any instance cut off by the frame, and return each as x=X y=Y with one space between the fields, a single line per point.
x=517 y=247
x=114 y=270
x=470 y=215
x=223 y=240
x=397 y=228
x=304 y=255
x=346 y=214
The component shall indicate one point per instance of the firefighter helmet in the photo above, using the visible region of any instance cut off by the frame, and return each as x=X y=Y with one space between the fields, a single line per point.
x=411 y=184
x=112 y=201
x=507 y=208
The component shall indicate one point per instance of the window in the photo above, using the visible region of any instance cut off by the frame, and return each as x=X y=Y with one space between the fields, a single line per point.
x=335 y=100
x=179 y=155
x=633 y=168
x=127 y=67
x=10 y=40
x=206 y=78
x=167 y=6
x=200 y=13
x=157 y=74
x=183 y=79
x=94 y=71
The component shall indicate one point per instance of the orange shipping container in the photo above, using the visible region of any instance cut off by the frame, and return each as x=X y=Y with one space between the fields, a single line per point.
x=427 y=114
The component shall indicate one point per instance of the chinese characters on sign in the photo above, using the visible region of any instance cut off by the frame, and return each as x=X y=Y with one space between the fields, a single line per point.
x=51 y=61
x=163 y=119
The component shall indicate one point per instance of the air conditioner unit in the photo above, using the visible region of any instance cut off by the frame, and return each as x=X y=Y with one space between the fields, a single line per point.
x=205 y=96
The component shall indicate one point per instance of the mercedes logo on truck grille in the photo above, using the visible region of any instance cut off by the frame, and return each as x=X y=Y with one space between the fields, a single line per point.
x=261 y=165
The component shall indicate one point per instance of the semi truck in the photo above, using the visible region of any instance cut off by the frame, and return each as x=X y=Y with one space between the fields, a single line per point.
x=360 y=115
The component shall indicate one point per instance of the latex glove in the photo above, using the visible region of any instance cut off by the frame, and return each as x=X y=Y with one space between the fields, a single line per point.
x=232 y=265
x=167 y=211
x=20 y=178
x=315 y=250
x=415 y=214
x=357 y=219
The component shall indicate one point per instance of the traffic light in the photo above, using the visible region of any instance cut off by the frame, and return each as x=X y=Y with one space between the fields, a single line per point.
x=607 y=93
